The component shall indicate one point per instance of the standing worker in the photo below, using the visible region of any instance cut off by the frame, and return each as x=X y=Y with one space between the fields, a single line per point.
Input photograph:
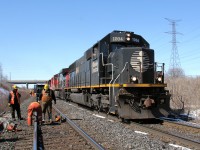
x=46 y=97
x=34 y=106
x=14 y=102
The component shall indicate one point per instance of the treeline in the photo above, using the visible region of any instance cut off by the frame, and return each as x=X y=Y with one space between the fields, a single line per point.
x=184 y=90
x=5 y=88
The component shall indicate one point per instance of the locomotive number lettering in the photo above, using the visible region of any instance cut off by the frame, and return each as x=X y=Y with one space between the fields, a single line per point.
x=118 y=39
x=135 y=40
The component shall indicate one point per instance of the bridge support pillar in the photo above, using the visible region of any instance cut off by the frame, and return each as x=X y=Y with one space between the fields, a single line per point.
x=27 y=85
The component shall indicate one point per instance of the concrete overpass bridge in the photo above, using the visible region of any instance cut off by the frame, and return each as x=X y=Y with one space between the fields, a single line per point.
x=27 y=82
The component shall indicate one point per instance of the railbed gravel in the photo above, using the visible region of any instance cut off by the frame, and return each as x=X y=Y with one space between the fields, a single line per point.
x=181 y=131
x=110 y=134
x=9 y=140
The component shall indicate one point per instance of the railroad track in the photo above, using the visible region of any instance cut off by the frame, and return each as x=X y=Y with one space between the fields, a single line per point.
x=66 y=135
x=183 y=125
x=58 y=135
x=110 y=133
x=166 y=136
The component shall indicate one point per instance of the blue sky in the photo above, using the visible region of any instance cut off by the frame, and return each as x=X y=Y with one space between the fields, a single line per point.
x=40 y=37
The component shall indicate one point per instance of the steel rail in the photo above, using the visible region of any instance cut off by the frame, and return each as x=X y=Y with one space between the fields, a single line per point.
x=181 y=124
x=35 y=135
x=80 y=131
x=177 y=138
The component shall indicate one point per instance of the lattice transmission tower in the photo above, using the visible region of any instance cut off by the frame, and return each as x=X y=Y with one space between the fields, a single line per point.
x=175 y=65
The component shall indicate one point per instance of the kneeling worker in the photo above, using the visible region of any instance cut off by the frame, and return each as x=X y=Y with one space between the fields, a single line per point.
x=34 y=106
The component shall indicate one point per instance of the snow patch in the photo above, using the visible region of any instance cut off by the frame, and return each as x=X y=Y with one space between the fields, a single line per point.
x=98 y=116
x=139 y=132
x=195 y=114
x=180 y=147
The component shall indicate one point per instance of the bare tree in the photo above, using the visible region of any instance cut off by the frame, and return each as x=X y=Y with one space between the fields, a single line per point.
x=185 y=90
x=176 y=72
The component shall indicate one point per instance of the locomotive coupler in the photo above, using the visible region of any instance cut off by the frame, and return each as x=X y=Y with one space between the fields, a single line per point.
x=148 y=102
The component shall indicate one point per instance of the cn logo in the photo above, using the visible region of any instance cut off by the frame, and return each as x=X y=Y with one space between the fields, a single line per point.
x=140 y=61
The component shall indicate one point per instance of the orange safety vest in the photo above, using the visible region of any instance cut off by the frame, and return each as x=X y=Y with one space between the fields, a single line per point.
x=46 y=96
x=34 y=106
x=12 y=101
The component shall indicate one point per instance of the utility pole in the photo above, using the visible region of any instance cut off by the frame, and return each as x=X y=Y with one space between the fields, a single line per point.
x=175 y=65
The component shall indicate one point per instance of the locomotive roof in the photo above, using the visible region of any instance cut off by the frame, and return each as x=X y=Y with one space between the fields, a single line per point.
x=64 y=71
x=135 y=38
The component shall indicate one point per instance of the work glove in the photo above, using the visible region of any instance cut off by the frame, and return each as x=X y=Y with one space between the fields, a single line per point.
x=54 y=102
x=8 y=104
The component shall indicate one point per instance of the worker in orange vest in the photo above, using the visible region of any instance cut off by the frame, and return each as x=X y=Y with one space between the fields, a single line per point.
x=34 y=106
x=14 y=102
x=46 y=98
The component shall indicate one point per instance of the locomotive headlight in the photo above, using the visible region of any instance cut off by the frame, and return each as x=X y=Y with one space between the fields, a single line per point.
x=128 y=38
x=128 y=34
x=134 y=79
x=159 y=79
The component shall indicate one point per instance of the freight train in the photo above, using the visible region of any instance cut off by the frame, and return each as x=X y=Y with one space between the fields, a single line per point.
x=118 y=75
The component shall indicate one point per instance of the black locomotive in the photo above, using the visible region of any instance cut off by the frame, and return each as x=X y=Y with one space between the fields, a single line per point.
x=119 y=75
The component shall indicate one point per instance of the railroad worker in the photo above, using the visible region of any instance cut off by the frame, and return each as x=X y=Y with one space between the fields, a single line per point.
x=14 y=102
x=34 y=106
x=46 y=98
x=31 y=93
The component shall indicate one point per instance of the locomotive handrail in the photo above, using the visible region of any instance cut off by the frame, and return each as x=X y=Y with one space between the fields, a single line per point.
x=111 y=78
x=117 y=78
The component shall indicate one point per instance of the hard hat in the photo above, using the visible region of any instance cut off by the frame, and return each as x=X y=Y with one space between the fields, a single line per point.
x=46 y=86
x=14 y=87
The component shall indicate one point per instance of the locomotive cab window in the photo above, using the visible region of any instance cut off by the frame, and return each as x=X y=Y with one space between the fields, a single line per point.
x=95 y=53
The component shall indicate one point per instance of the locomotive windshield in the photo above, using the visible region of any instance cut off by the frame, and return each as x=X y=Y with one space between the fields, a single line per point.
x=117 y=46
